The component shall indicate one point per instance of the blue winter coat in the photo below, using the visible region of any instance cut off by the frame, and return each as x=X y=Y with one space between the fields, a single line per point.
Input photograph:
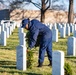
x=37 y=28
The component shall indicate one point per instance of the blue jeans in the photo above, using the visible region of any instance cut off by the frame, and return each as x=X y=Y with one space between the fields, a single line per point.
x=45 y=46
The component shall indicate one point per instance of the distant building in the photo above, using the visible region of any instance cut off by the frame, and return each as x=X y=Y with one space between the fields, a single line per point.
x=4 y=14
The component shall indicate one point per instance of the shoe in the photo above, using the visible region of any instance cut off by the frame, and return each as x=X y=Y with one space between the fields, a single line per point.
x=50 y=63
x=40 y=65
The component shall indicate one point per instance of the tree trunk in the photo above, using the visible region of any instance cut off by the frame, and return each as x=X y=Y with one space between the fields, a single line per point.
x=71 y=11
x=42 y=16
x=43 y=11
x=23 y=14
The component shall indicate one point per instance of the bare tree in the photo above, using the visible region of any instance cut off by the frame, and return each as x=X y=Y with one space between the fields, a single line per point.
x=71 y=11
x=14 y=4
x=1 y=1
x=43 y=5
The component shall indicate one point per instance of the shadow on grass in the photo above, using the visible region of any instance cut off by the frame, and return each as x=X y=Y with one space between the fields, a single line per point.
x=21 y=73
x=10 y=67
x=69 y=57
x=33 y=74
x=62 y=38
x=13 y=47
x=5 y=48
x=7 y=62
x=14 y=38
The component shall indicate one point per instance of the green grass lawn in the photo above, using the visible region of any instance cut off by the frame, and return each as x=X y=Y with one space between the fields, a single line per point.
x=8 y=58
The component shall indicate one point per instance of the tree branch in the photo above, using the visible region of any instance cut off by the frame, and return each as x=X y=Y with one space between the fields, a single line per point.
x=1 y=1
x=46 y=1
x=37 y=5
x=48 y=5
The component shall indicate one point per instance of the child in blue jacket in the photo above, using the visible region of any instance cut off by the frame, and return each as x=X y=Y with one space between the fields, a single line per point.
x=37 y=28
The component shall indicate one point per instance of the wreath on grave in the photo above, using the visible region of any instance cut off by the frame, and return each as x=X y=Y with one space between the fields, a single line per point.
x=30 y=52
x=29 y=59
x=67 y=68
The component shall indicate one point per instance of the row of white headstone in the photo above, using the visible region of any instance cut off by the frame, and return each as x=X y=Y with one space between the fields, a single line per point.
x=6 y=29
x=64 y=29
x=57 y=60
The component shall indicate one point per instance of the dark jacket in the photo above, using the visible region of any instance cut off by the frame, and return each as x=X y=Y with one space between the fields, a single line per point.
x=37 y=28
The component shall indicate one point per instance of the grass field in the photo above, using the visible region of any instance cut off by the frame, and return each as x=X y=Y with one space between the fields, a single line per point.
x=8 y=58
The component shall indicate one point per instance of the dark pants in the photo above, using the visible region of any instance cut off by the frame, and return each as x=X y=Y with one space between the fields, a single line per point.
x=45 y=46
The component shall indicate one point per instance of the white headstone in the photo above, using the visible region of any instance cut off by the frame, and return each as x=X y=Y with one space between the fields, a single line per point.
x=58 y=63
x=71 y=28
x=3 y=38
x=74 y=27
x=54 y=26
x=67 y=25
x=14 y=25
x=7 y=32
x=59 y=27
x=0 y=41
x=62 y=32
x=2 y=27
x=21 y=57
x=55 y=35
x=22 y=39
x=2 y=21
x=71 y=49
x=0 y=31
x=10 y=30
x=50 y=26
x=0 y=34
x=5 y=25
x=68 y=30
x=21 y=30
x=74 y=34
